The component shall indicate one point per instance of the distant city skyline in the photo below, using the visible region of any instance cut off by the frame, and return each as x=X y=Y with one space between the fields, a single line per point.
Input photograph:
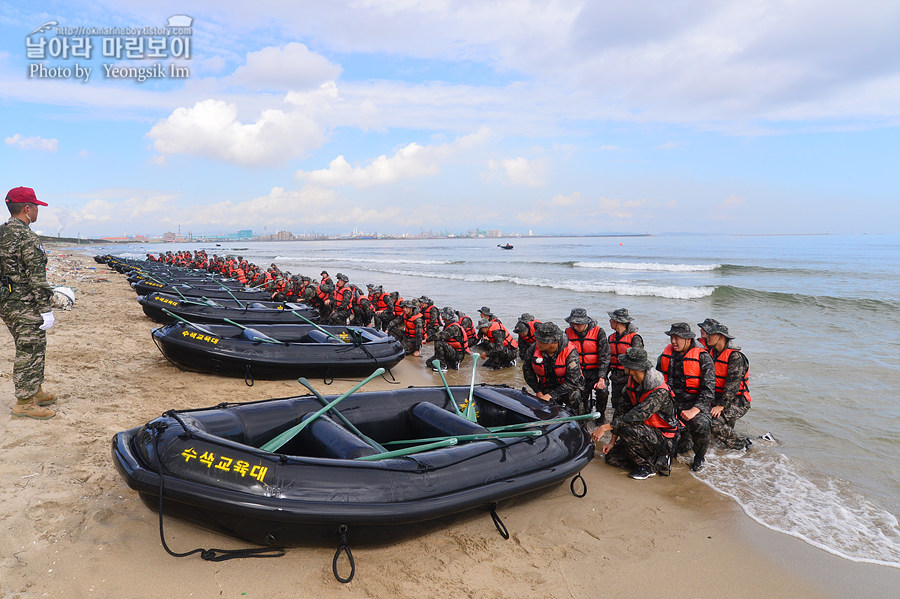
x=563 y=116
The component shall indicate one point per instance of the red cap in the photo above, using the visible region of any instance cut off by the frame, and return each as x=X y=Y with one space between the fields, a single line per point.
x=23 y=195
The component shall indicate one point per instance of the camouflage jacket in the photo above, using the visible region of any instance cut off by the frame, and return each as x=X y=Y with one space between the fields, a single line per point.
x=659 y=401
x=573 y=382
x=738 y=364
x=24 y=263
x=677 y=382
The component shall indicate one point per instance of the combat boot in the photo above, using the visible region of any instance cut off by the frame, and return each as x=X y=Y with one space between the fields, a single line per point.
x=30 y=409
x=42 y=398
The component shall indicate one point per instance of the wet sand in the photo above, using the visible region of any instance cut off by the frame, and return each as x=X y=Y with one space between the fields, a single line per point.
x=72 y=528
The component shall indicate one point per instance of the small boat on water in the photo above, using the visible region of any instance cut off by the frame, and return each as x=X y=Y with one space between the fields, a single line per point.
x=505 y=247
x=277 y=351
x=260 y=473
x=165 y=308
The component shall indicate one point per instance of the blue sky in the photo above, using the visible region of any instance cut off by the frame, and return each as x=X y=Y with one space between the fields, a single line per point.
x=566 y=116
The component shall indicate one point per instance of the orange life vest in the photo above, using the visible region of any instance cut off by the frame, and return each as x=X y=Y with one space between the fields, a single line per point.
x=379 y=301
x=617 y=347
x=528 y=337
x=721 y=364
x=559 y=366
x=588 y=347
x=508 y=340
x=409 y=322
x=454 y=343
x=655 y=420
x=398 y=309
x=691 y=362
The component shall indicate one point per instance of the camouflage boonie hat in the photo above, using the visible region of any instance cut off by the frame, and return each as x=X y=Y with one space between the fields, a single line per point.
x=707 y=324
x=578 y=316
x=681 y=329
x=718 y=329
x=547 y=332
x=448 y=314
x=407 y=304
x=485 y=310
x=526 y=317
x=620 y=315
x=635 y=358
x=484 y=323
x=343 y=277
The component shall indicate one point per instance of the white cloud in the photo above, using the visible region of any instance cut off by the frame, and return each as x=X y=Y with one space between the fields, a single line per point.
x=211 y=128
x=33 y=143
x=410 y=161
x=579 y=213
x=519 y=171
x=728 y=209
x=291 y=66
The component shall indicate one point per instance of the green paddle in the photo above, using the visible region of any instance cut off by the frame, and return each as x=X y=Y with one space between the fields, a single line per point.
x=308 y=321
x=470 y=405
x=399 y=453
x=472 y=437
x=279 y=441
x=374 y=444
x=508 y=427
x=261 y=336
x=185 y=321
x=437 y=364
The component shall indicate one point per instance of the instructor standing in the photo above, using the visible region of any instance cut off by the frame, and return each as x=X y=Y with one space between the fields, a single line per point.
x=25 y=302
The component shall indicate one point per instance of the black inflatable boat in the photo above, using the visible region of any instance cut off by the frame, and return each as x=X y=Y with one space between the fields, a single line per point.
x=161 y=306
x=343 y=468
x=278 y=351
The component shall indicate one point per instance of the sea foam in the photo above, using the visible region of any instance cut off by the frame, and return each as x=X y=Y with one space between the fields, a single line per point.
x=822 y=511
x=649 y=266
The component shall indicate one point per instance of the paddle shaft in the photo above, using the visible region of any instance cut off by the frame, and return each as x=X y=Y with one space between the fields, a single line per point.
x=374 y=444
x=185 y=321
x=279 y=441
x=308 y=321
x=472 y=437
x=437 y=364
x=507 y=427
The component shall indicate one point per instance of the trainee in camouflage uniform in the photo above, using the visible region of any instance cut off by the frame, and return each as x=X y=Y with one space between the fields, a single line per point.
x=450 y=344
x=341 y=298
x=409 y=328
x=383 y=304
x=362 y=309
x=432 y=316
x=732 y=399
x=502 y=348
x=689 y=372
x=25 y=302
x=525 y=330
x=553 y=368
x=623 y=335
x=644 y=428
x=593 y=348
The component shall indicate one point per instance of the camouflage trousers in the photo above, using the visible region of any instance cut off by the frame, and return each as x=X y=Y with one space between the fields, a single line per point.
x=722 y=427
x=448 y=356
x=339 y=317
x=383 y=319
x=594 y=399
x=31 y=343
x=697 y=435
x=640 y=445
x=361 y=317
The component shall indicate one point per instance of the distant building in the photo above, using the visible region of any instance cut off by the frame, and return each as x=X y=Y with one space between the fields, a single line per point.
x=495 y=233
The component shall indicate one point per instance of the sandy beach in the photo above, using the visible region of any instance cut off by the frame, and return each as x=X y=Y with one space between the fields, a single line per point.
x=72 y=528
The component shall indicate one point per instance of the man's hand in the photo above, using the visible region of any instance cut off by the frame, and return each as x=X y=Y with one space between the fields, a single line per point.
x=689 y=414
x=716 y=410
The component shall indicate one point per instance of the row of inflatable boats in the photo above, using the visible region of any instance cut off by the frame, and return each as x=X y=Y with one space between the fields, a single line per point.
x=268 y=471
x=215 y=325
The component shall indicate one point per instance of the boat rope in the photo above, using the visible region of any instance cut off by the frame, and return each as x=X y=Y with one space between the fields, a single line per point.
x=210 y=555
x=393 y=380
x=583 y=484
x=343 y=547
x=248 y=376
x=501 y=527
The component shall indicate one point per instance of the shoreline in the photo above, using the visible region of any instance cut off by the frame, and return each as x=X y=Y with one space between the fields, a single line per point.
x=76 y=530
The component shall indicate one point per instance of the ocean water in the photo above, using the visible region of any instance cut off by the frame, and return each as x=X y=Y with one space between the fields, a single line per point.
x=817 y=316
